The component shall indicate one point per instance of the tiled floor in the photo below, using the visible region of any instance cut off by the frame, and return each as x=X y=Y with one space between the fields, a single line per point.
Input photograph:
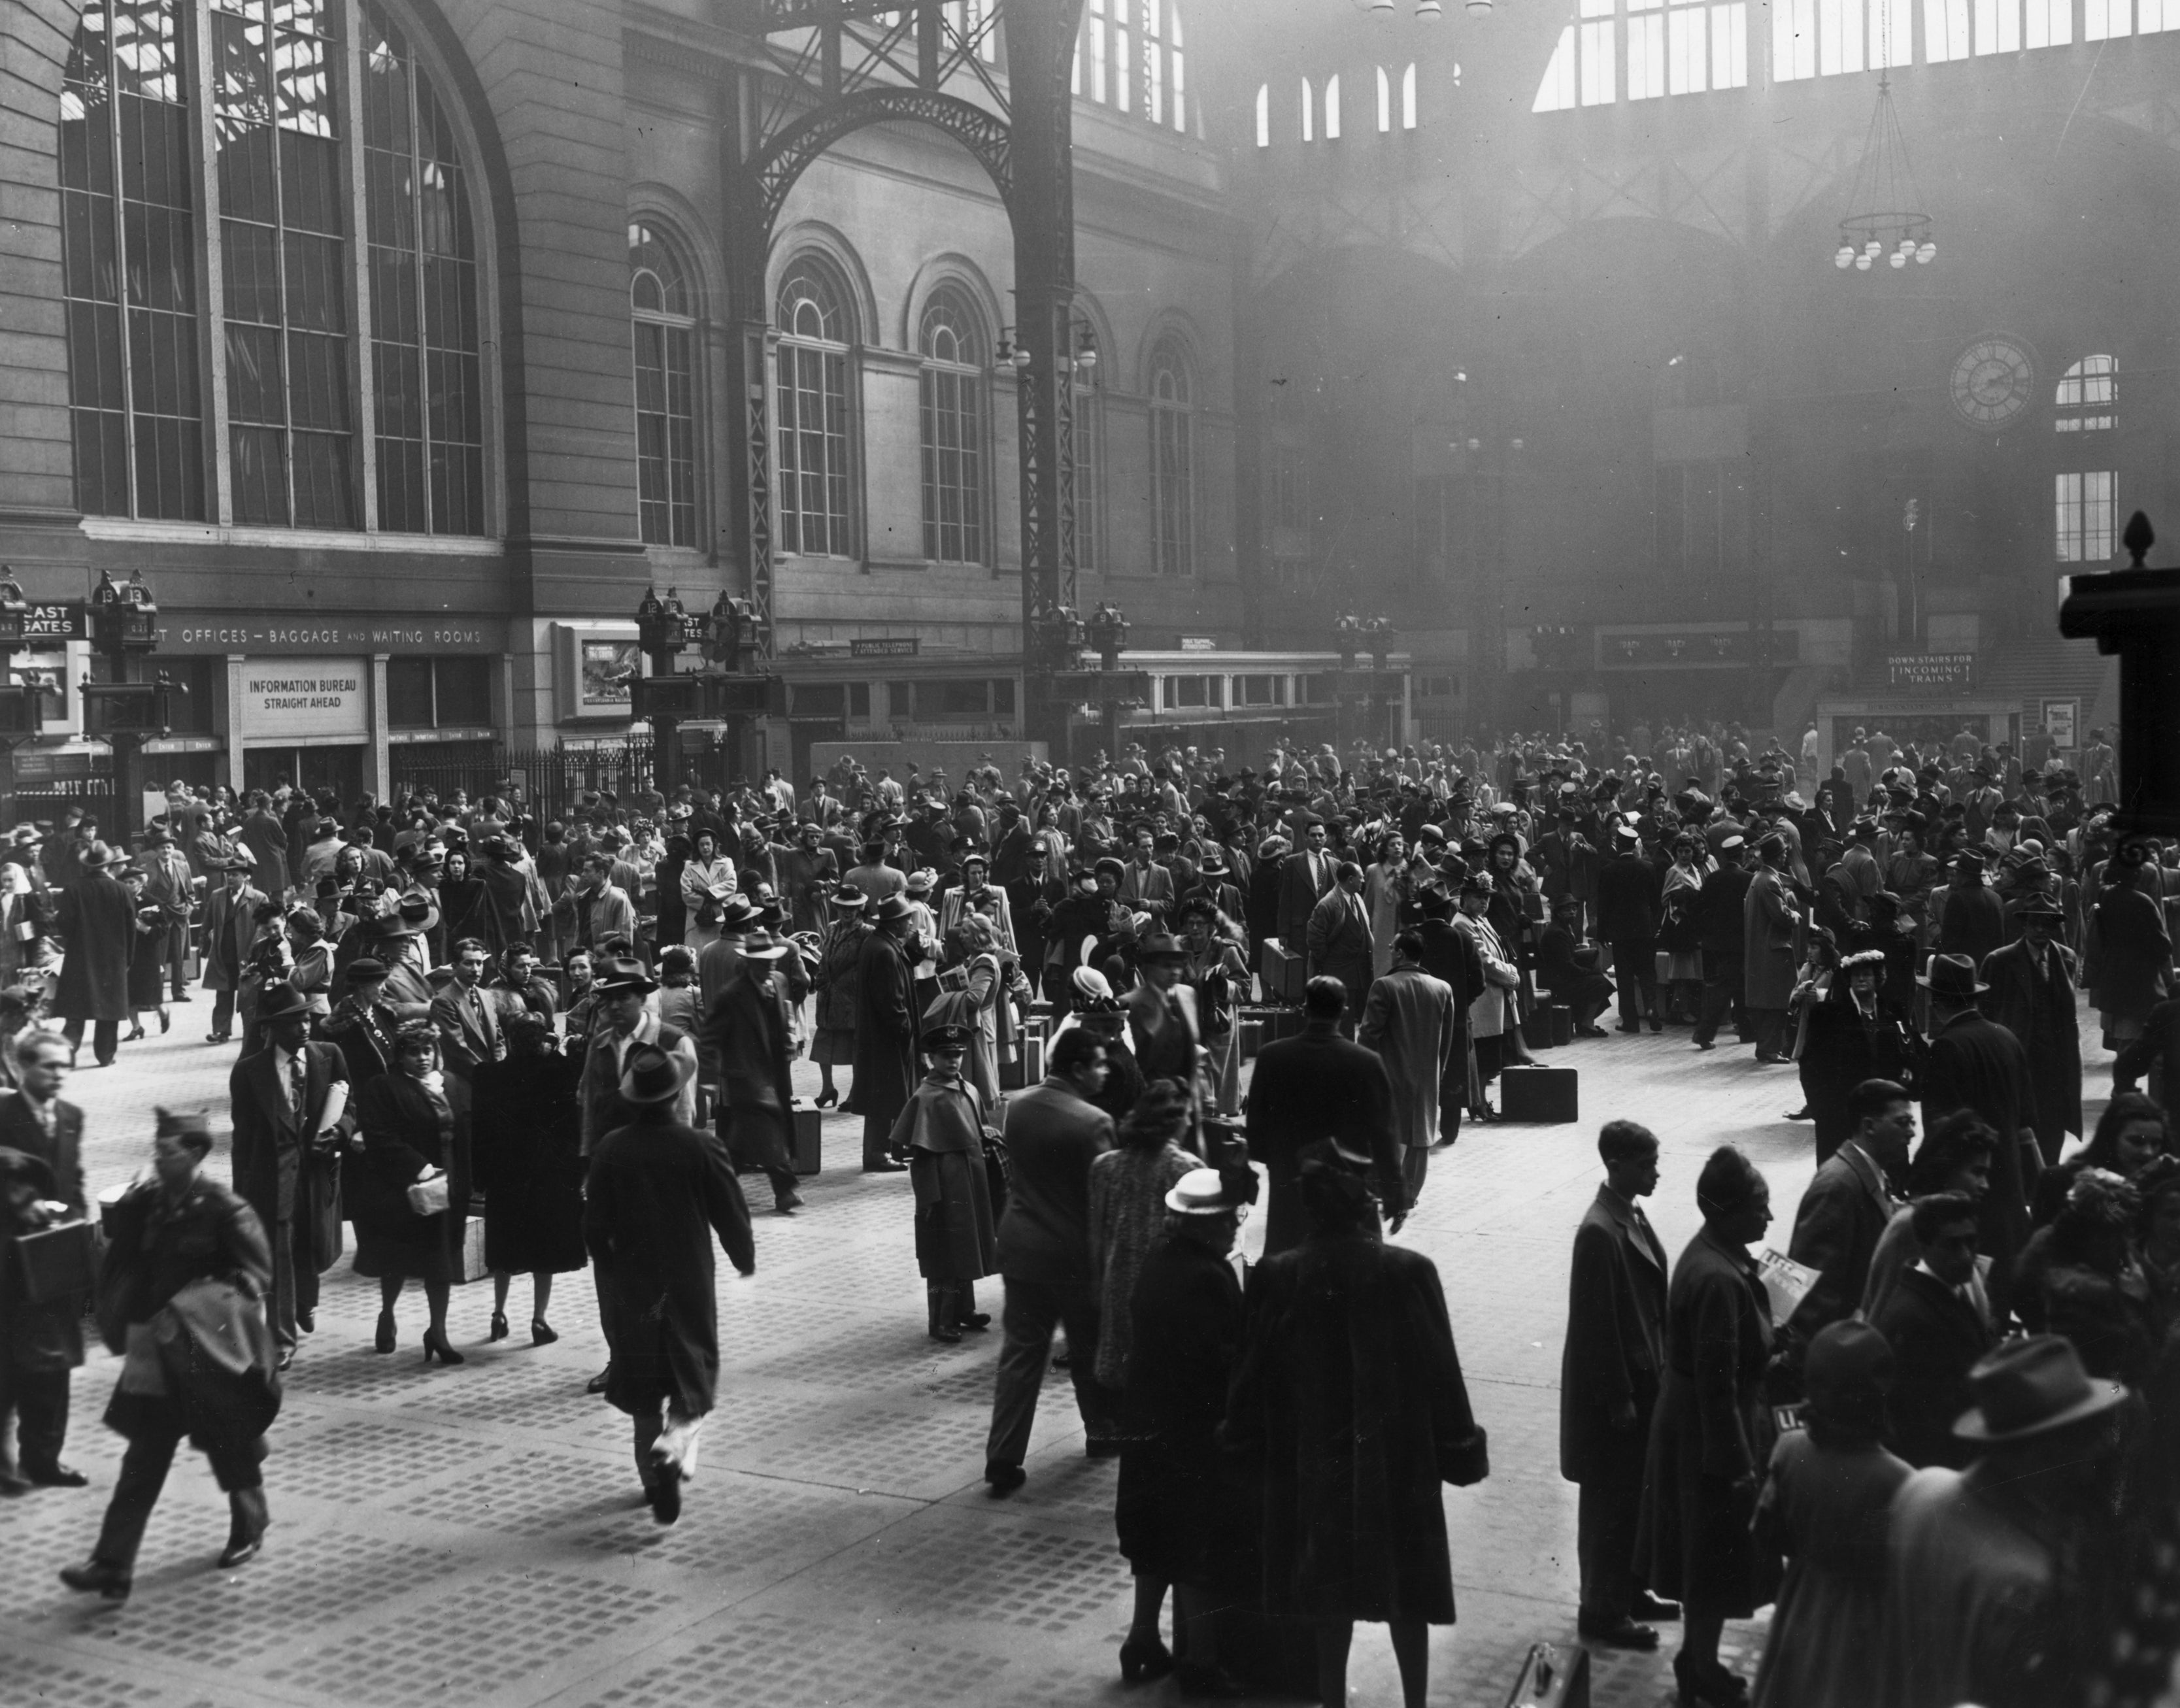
x=473 y=1535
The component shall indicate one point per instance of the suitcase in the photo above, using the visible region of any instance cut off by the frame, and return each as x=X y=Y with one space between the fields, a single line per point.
x=1537 y=1028
x=1562 y=1023
x=1552 y=1678
x=473 y=1268
x=1665 y=967
x=809 y=1126
x=1252 y=1037
x=1544 y=1095
x=1284 y=975
x=1027 y=1068
x=59 y=1262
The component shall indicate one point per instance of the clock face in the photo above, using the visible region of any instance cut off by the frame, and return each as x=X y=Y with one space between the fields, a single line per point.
x=1993 y=380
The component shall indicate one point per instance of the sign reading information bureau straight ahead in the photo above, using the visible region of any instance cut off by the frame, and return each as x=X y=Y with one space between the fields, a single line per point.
x=1931 y=673
x=301 y=696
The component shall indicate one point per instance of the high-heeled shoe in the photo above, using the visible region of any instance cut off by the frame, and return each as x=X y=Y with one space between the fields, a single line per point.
x=827 y=1098
x=436 y=1346
x=499 y=1326
x=383 y=1341
x=132 y=1035
x=166 y=1023
x=543 y=1333
x=1143 y=1659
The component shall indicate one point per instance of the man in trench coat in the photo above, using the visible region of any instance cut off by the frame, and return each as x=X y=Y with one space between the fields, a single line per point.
x=291 y=1123
x=885 y=1032
x=2031 y=996
x=1409 y=1021
x=657 y=1192
x=98 y=928
x=1770 y=931
x=1339 y=942
x=1610 y=1370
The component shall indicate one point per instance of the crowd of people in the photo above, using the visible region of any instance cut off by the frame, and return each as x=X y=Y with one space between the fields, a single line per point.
x=472 y=1044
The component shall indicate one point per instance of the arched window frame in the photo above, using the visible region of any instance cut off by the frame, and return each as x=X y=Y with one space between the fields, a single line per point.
x=1308 y=111
x=1263 y=115
x=277 y=388
x=1332 y=107
x=2085 y=500
x=815 y=418
x=1385 y=102
x=1122 y=42
x=1172 y=458
x=2086 y=400
x=665 y=323
x=954 y=394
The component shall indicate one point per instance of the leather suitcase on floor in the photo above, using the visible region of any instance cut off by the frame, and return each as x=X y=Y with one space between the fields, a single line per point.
x=1544 y=1095
x=1284 y=975
x=1536 y=1029
x=809 y=1125
x=1027 y=1068
x=1252 y=1037
x=1562 y=1023
x=1552 y=1678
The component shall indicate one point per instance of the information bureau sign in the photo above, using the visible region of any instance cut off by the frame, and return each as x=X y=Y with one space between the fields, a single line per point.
x=1932 y=672
x=298 y=697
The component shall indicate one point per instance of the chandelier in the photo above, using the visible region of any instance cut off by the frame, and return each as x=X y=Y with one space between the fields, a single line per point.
x=1884 y=191
x=1429 y=11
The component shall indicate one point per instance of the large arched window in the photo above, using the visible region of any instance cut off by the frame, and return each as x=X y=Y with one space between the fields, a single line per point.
x=1123 y=44
x=2085 y=499
x=952 y=345
x=2088 y=398
x=268 y=425
x=811 y=314
x=663 y=301
x=1173 y=471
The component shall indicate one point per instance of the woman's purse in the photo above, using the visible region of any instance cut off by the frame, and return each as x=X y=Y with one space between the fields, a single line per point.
x=429 y=1196
x=1466 y=1462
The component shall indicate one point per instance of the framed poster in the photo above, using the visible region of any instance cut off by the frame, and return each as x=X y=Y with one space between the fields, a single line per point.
x=607 y=667
x=2062 y=721
x=593 y=665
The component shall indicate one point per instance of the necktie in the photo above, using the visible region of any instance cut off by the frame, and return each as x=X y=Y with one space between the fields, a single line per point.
x=297 y=1087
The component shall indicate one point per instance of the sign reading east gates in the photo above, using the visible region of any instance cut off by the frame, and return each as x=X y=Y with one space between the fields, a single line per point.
x=215 y=633
x=63 y=621
x=883 y=646
x=1933 y=671
x=290 y=697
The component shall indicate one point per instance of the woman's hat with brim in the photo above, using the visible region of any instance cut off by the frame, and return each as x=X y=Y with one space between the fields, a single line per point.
x=2030 y=1387
x=652 y=1075
x=1201 y=1191
x=620 y=975
x=849 y=898
x=365 y=970
x=922 y=880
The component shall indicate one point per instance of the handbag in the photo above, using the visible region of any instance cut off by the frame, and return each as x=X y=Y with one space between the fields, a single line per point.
x=429 y=1196
x=473 y=1267
x=1467 y=1461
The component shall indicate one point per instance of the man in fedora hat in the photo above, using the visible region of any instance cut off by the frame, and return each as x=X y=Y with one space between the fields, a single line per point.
x=1165 y=1029
x=2031 y=995
x=1971 y=917
x=40 y=1343
x=885 y=1030
x=290 y=1102
x=747 y=1023
x=658 y=1190
x=402 y=933
x=1340 y=943
x=98 y=928
x=625 y=1022
x=230 y=927
x=1990 y=1591
x=168 y=886
x=1975 y=1063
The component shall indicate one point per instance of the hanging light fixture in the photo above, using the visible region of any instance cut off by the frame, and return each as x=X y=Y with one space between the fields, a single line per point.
x=1886 y=212
x=1430 y=11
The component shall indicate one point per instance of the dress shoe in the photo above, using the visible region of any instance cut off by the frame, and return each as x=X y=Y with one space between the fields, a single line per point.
x=666 y=1493
x=1651 y=1607
x=306 y=1319
x=384 y=1340
x=167 y=1021
x=216 y=1037
x=12 y=1483
x=787 y=1202
x=1101 y=1446
x=1624 y=1027
x=286 y=1358
x=827 y=1098
x=886 y=1167
x=436 y=1346
x=1623 y=1633
x=241 y=1549
x=1003 y=1480
x=1708 y=1685
x=1590 y=1032
x=97 y=1577
x=184 y=996
x=1143 y=1659
x=1702 y=1043
x=1656 y=1024
x=132 y=1035
x=597 y=1384
x=543 y=1333
x=59 y=1476
x=499 y=1330
x=945 y=1332
x=974 y=1322
x=1800 y=1114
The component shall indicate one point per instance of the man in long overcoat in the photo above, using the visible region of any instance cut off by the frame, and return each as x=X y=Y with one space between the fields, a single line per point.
x=230 y=926
x=747 y=1024
x=291 y=1121
x=1610 y=1370
x=98 y=928
x=2031 y=996
x=1450 y=954
x=169 y=887
x=1408 y=1020
x=1975 y=1063
x=1339 y=943
x=1627 y=897
x=40 y=1343
x=657 y=1192
x=1305 y=877
x=1845 y=1209
x=1770 y=930
x=885 y=1032
x=1971 y=919
x=1720 y=918
x=1319 y=1085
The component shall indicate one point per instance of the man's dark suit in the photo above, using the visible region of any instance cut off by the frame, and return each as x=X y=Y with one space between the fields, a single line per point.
x=757 y=1099
x=1843 y=1212
x=1615 y=1356
x=886 y=1037
x=1977 y=1064
x=39 y=1344
x=1628 y=919
x=1722 y=935
x=1318 y=1086
x=1450 y=953
x=1300 y=893
x=1936 y=1338
x=295 y=1192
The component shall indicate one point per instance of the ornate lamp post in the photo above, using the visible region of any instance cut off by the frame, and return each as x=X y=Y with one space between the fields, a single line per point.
x=1357 y=688
x=2135 y=612
x=125 y=624
x=663 y=698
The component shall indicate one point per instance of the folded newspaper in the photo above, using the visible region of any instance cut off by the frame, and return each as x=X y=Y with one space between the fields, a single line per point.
x=1788 y=1282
